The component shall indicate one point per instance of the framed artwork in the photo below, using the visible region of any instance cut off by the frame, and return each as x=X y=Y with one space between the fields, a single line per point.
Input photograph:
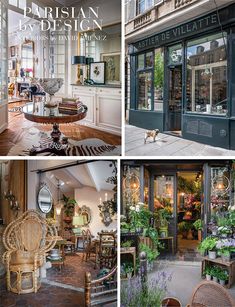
x=113 y=67
x=12 y=51
x=11 y=64
x=97 y=72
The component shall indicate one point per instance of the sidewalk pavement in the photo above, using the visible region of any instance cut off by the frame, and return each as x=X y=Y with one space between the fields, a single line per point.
x=167 y=145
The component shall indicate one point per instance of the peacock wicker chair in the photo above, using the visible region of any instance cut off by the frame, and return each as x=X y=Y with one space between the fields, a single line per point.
x=27 y=241
x=211 y=294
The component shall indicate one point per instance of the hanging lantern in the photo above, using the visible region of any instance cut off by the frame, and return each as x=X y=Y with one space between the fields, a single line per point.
x=220 y=184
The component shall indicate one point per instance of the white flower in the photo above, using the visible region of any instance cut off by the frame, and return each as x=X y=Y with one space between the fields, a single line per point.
x=132 y=208
x=137 y=208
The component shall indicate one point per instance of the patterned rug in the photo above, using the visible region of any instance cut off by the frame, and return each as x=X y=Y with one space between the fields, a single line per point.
x=87 y=147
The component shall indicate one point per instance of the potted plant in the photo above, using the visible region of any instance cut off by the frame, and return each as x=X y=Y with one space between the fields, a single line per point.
x=183 y=228
x=126 y=245
x=198 y=226
x=164 y=216
x=225 y=248
x=208 y=245
x=215 y=273
x=129 y=271
x=223 y=277
x=69 y=205
x=152 y=254
x=207 y=273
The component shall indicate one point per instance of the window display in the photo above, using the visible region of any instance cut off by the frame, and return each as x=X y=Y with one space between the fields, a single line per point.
x=144 y=90
x=207 y=75
x=158 y=79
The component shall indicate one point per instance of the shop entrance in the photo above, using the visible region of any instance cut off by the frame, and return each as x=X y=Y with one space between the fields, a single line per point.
x=189 y=214
x=174 y=99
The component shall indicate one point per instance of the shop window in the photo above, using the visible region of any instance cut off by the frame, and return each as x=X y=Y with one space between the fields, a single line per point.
x=149 y=60
x=131 y=186
x=146 y=186
x=145 y=90
x=175 y=55
x=141 y=61
x=207 y=75
x=220 y=190
x=158 y=79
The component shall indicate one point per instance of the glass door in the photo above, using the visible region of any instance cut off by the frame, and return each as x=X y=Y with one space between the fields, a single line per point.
x=174 y=111
x=3 y=65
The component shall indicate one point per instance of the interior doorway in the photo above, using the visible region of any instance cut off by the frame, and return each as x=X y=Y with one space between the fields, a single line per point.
x=189 y=214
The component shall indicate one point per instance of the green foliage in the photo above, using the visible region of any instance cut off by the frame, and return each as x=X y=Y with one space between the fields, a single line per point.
x=152 y=254
x=69 y=205
x=128 y=243
x=198 y=224
x=159 y=70
x=207 y=270
x=189 y=187
x=208 y=244
x=184 y=226
x=219 y=272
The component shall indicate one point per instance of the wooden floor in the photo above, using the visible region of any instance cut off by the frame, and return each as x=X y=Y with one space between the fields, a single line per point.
x=18 y=124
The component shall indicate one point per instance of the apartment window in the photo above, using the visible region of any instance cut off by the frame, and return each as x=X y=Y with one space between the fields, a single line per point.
x=143 y=5
x=57 y=56
x=18 y=3
x=207 y=75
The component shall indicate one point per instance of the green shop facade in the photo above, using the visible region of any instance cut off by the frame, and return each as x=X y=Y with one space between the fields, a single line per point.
x=182 y=80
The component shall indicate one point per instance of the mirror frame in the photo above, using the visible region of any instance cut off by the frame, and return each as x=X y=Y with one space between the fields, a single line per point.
x=87 y=210
x=44 y=187
x=27 y=42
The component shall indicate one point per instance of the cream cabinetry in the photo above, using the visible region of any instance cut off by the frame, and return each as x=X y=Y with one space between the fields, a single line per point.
x=104 y=107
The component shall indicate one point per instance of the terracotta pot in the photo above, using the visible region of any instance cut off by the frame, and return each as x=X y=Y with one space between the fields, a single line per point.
x=67 y=219
x=199 y=233
x=171 y=302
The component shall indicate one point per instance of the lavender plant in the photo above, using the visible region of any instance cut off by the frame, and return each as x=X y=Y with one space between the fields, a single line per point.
x=139 y=294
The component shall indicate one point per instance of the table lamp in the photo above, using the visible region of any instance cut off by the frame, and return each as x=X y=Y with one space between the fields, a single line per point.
x=77 y=223
x=79 y=60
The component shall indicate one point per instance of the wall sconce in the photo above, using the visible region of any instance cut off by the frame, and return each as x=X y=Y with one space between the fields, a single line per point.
x=106 y=210
x=14 y=205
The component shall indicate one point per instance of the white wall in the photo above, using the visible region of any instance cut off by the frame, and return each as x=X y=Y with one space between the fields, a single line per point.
x=90 y=197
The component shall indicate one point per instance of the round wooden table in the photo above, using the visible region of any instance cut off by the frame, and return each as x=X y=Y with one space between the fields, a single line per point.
x=38 y=113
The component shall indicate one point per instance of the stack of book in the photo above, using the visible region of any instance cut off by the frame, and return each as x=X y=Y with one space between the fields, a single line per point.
x=70 y=106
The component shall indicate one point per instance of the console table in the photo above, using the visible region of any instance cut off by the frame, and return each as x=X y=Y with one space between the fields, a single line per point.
x=38 y=113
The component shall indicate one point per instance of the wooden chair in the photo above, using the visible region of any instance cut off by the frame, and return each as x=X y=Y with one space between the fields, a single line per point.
x=107 y=249
x=90 y=248
x=102 y=291
x=211 y=294
x=27 y=241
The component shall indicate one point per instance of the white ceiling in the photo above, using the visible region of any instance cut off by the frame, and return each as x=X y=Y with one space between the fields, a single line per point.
x=92 y=174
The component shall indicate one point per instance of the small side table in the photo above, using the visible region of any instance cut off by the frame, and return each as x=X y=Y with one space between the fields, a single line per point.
x=172 y=243
x=57 y=263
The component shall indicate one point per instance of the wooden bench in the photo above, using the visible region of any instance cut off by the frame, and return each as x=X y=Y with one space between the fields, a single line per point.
x=102 y=291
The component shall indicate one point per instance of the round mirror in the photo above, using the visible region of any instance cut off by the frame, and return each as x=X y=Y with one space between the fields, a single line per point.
x=45 y=199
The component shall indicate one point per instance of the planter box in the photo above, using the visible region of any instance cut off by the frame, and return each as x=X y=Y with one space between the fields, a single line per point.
x=147 y=241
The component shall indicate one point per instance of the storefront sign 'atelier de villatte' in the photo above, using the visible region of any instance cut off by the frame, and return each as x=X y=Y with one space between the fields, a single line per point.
x=175 y=33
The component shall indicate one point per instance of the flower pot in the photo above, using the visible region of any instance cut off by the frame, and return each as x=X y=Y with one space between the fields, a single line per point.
x=170 y=302
x=163 y=231
x=214 y=232
x=222 y=282
x=67 y=219
x=190 y=235
x=208 y=277
x=212 y=254
x=184 y=234
x=226 y=258
x=199 y=234
x=215 y=279
x=129 y=275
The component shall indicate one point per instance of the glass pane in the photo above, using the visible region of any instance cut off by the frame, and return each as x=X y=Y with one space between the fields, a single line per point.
x=158 y=79
x=207 y=75
x=144 y=90
x=140 y=61
x=131 y=186
x=146 y=186
x=175 y=55
x=149 y=60
x=164 y=194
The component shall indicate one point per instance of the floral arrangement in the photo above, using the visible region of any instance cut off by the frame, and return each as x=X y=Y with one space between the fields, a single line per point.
x=225 y=246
